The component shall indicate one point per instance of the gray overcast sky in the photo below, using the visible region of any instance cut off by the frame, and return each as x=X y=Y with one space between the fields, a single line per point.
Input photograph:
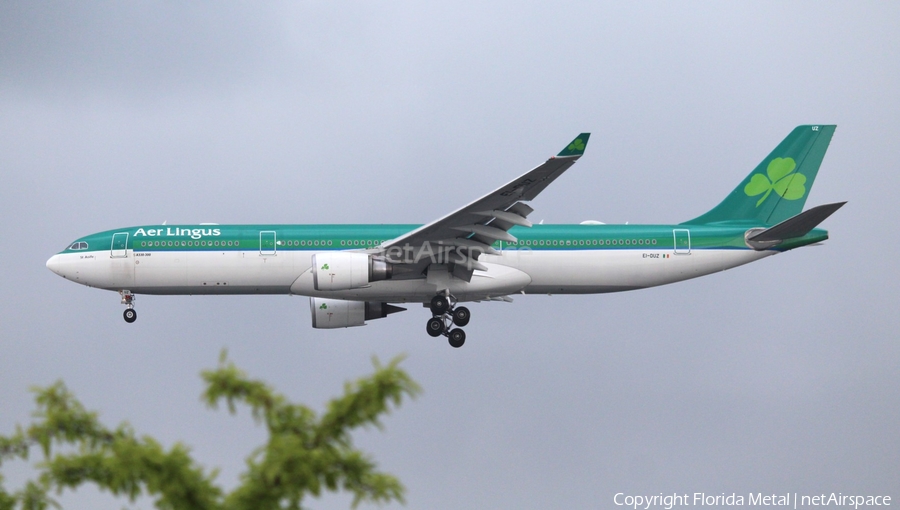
x=777 y=376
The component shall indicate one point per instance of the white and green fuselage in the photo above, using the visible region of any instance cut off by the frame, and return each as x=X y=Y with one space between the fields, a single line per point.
x=277 y=259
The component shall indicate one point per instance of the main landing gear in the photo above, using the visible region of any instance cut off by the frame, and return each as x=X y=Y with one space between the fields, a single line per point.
x=445 y=315
x=128 y=300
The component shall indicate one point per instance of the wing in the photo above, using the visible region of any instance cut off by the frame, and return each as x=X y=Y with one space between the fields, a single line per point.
x=471 y=230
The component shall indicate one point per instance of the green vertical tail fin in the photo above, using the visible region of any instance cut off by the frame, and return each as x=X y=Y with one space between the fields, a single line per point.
x=778 y=187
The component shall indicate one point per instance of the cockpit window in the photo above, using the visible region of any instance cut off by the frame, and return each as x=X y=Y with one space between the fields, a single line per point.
x=80 y=245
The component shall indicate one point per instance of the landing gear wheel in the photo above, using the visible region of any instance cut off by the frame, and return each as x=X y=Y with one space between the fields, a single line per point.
x=435 y=326
x=439 y=305
x=461 y=316
x=457 y=338
x=130 y=315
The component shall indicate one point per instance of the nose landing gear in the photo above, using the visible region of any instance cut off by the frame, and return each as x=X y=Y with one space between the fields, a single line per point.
x=445 y=314
x=130 y=314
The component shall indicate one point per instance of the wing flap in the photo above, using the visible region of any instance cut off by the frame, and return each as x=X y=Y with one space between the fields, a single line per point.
x=507 y=217
x=487 y=231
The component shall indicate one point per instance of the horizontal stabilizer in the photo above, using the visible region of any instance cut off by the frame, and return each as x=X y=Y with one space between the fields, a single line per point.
x=797 y=226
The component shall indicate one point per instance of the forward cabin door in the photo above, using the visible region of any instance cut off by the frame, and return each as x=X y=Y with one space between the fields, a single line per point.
x=121 y=268
x=119 y=247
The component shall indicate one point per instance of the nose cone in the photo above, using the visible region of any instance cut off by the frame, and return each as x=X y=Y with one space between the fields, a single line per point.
x=55 y=265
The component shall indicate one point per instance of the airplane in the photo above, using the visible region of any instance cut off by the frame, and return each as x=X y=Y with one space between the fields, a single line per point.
x=484 y=251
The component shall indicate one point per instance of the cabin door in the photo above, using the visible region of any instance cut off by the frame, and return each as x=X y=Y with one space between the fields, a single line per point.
x=119 y=247
x=682 y=241
x=267 y=242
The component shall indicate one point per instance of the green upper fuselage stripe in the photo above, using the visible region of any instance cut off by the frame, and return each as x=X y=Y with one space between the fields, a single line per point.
x=344 y=237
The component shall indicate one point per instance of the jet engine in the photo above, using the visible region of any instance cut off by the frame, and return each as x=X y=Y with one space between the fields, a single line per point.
x=339 y=313
x=343 y=270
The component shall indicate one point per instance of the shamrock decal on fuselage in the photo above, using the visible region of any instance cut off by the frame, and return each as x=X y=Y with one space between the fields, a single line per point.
x=780 y=178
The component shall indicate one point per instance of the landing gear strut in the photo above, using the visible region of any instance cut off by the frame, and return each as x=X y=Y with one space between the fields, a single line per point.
x=128 y=300
x=445 y=314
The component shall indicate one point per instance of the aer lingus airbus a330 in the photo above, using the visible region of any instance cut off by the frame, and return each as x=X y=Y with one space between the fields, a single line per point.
x=486 y=250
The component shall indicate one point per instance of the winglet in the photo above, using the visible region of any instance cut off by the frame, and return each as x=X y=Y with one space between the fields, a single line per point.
x=576 y=148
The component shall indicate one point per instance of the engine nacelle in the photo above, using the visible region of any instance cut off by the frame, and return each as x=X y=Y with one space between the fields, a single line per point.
x=341 y=270
x=339 y=313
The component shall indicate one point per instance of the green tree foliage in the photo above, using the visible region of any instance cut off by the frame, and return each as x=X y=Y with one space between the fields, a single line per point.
x=305 y=454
